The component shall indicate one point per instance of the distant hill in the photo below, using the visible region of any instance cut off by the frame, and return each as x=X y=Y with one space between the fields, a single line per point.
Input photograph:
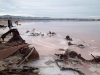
x=7 y=16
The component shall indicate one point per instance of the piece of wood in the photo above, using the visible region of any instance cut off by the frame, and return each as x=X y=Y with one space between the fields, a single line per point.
x=7 y=52
x=26 y=58
x=64 y=68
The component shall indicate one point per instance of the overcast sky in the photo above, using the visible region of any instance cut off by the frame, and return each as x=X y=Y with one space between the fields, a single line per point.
x=51 y=8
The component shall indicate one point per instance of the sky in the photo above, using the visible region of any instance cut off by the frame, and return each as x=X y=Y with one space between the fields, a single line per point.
x=51 y=8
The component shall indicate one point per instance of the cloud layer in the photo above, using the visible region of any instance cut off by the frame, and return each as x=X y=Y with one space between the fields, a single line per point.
x=52 y=8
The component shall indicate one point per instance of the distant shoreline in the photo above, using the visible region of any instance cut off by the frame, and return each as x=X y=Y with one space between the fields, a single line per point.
x=52 y=19
x=5 y=17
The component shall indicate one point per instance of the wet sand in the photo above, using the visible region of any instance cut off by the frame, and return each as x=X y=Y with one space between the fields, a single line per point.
x=87 y=33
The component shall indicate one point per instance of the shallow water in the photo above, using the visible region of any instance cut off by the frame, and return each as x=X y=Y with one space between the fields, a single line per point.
x=87 y=33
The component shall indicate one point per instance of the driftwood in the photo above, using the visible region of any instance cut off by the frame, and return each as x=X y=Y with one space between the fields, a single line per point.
x=16 y=46
x=16 y=43
x=63 y=68
x=74 y=54
x=7 y=52
x=69 y=43
x=80 y=45
x=2 y=26
x=80 y=72
x=26 y=58
x=95 y=59
x=68 y=38
x=24 y=71
x=51 y=33
x=16 y=36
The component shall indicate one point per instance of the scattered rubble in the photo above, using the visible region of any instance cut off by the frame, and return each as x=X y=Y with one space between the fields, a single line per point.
x=15 y=52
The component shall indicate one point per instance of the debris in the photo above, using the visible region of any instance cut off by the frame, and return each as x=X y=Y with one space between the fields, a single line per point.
x=16 y=46
x=30 y=56
x=51 y=33
x=26 y=70
x=2 y=26
x=68 y=38
x=80 y=72
x=27 y=31
x=64 y=68
x=75 y=57
x=61 y=49
x=16 y=36
x=96 y=59
x=81 y=46
x=7 y=52
x=49 y=62
x=69 y=43
x=16 y=22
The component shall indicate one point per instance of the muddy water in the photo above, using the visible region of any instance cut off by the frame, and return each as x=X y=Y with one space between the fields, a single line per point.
x=87 y=33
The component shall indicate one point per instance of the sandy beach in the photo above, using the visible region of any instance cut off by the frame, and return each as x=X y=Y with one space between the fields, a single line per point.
x=86 y=33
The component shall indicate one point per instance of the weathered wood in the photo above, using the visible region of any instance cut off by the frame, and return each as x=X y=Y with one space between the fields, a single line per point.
x=63 y=68
x=26 y=58
x=7 y=52
x=16 y=36
x=78 y=71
